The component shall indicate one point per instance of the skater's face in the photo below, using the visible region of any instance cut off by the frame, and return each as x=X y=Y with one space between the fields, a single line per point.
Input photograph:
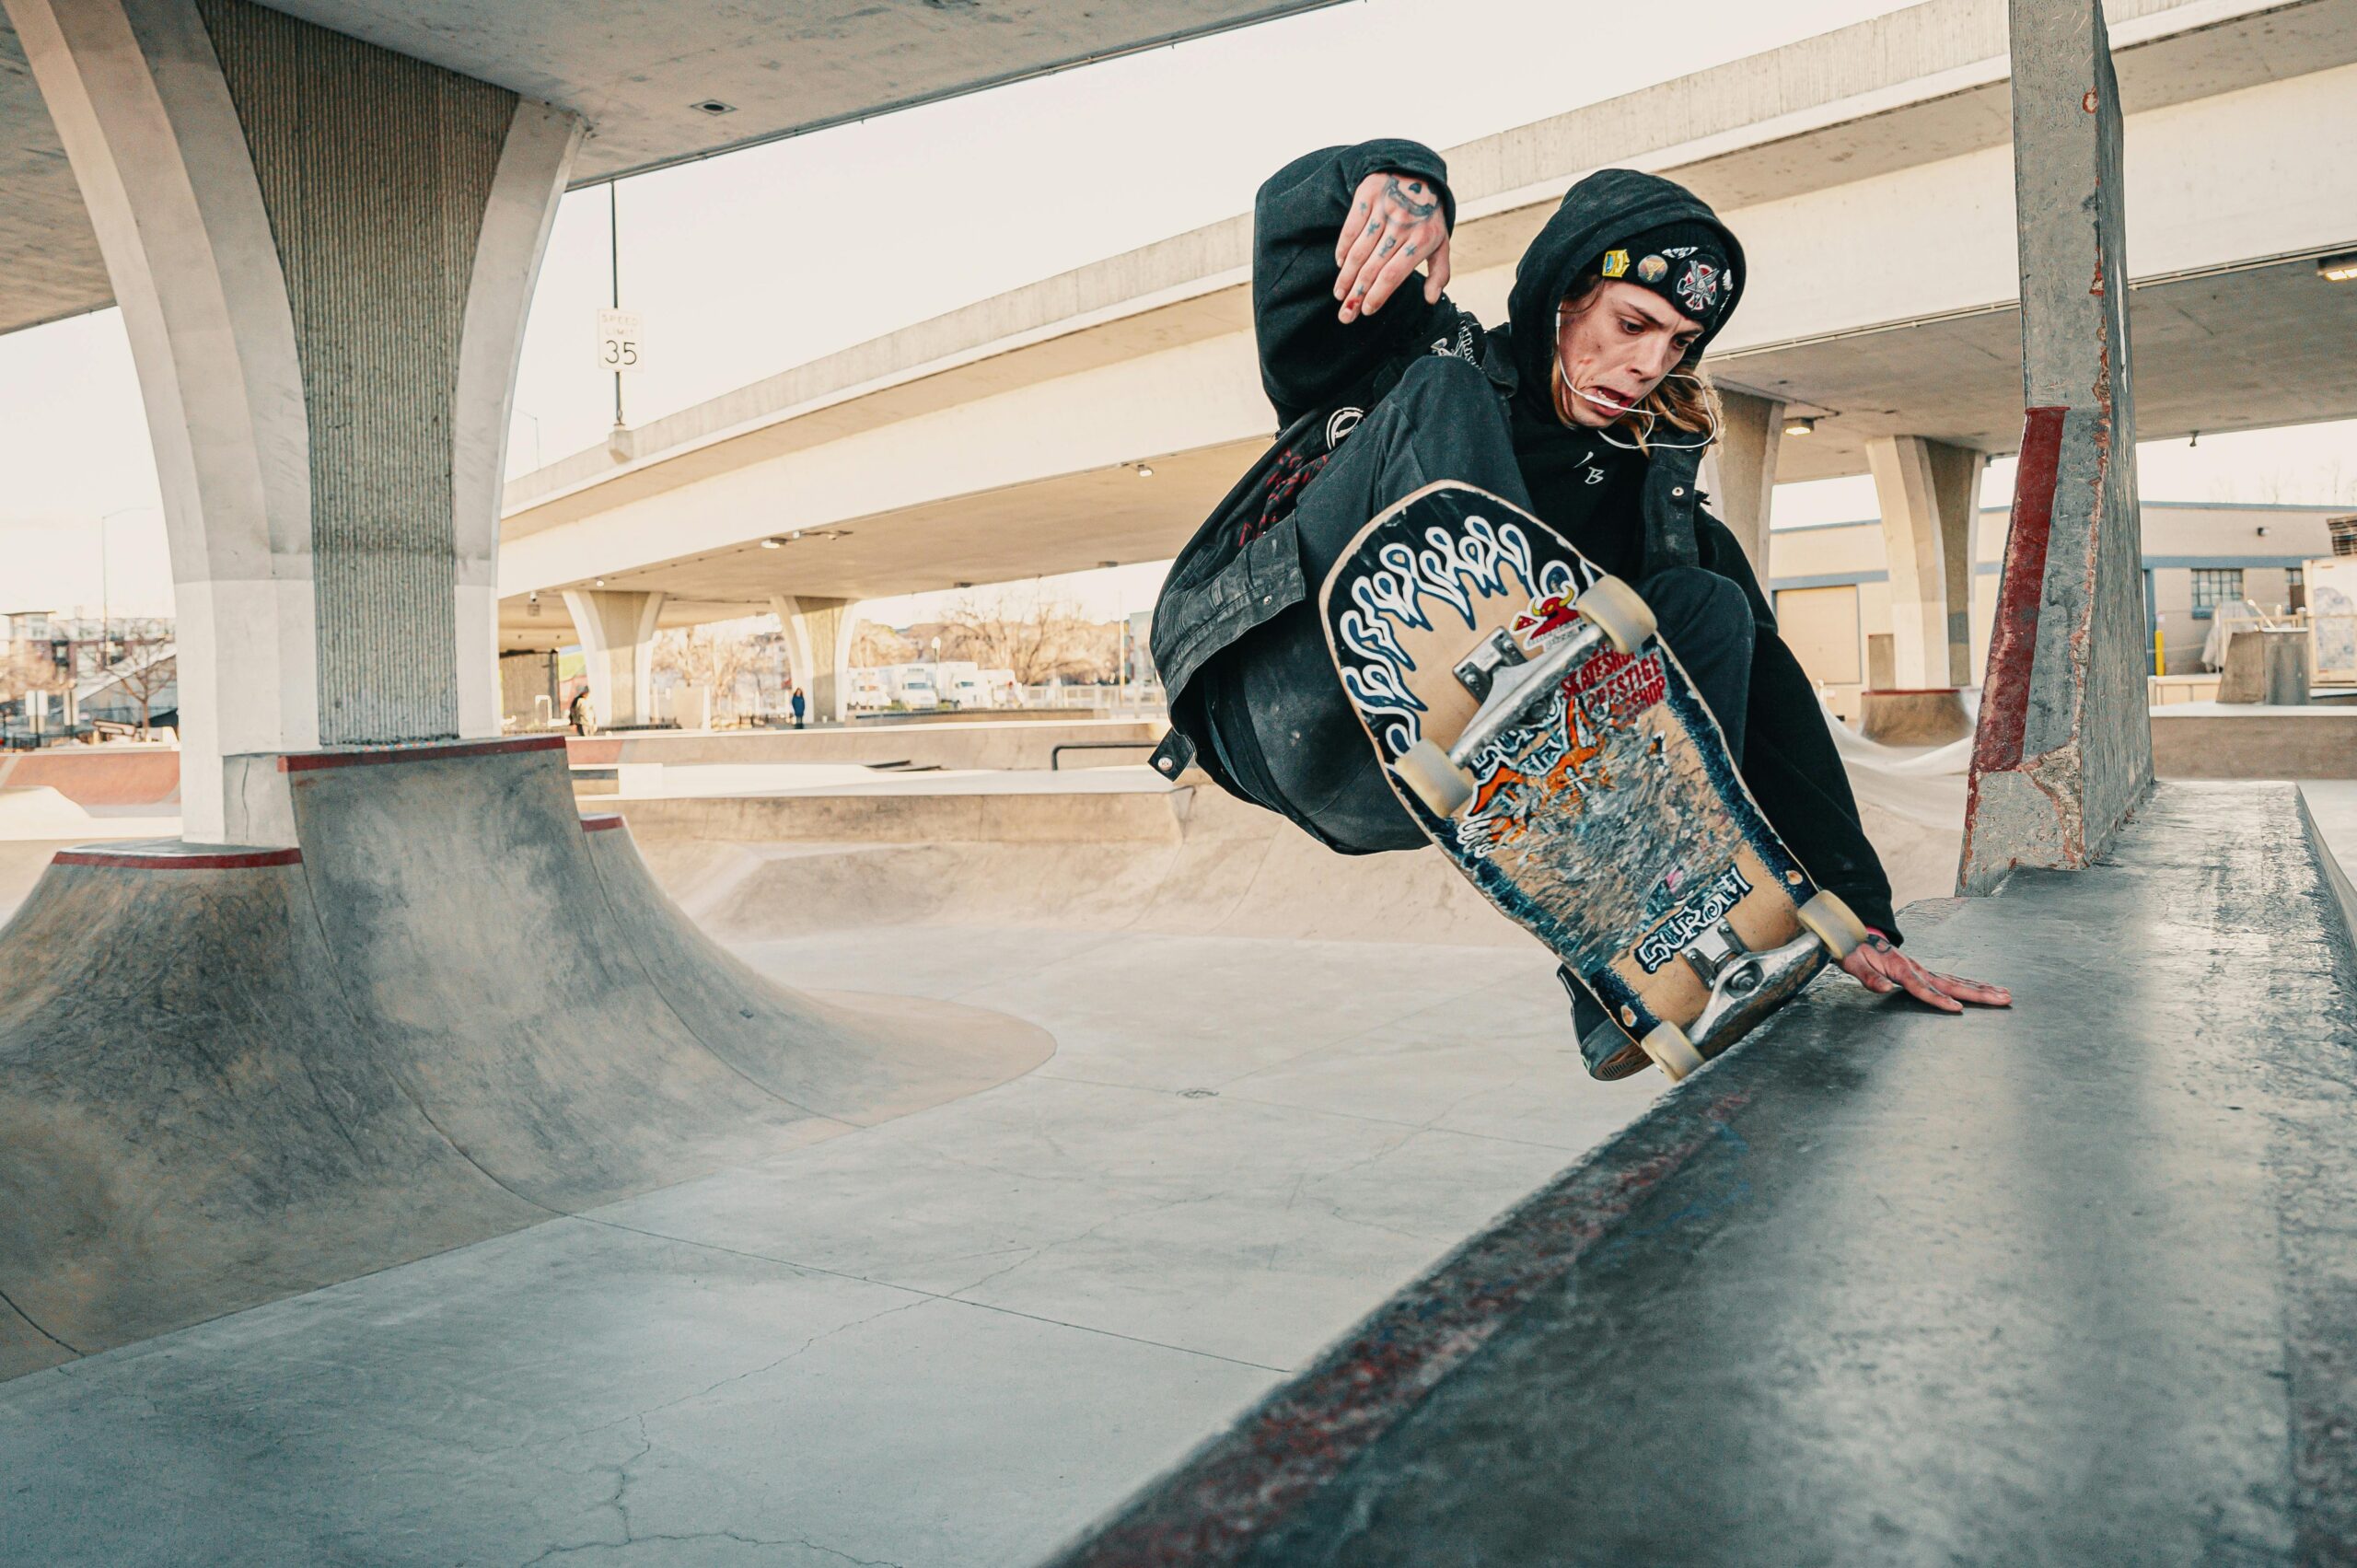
x=1615 y=344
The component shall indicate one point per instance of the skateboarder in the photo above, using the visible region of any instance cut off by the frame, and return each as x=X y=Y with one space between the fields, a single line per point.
x=1584 y=408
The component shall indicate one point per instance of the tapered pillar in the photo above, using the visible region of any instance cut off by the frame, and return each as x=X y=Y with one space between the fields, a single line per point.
x=818 y=633
x=1930 y=497
x=323 y=251
x=1743 y=485
x=618 y=644
x=2064 y=750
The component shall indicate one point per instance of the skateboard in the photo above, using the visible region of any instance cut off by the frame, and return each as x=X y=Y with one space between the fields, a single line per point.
x=1532 y=721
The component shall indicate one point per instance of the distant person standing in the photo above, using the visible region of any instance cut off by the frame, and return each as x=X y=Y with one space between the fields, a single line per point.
x=580 y=715
x=800 y=706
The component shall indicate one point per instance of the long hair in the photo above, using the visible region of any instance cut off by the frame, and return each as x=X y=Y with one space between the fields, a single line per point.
x=1684 y=402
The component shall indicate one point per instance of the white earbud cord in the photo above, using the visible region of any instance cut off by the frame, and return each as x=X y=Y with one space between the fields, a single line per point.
x=1605 y=434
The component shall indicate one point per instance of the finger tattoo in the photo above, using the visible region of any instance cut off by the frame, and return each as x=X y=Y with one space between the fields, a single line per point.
x=1387 y=247
x=1410 y=197
x=1412 y=248
x=1372 y=227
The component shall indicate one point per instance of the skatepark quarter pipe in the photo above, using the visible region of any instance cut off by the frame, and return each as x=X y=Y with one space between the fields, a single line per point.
x=452 y=1010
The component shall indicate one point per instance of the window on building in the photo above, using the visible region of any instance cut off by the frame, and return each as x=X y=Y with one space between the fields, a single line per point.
x=2214 y=585
x=2296 y=587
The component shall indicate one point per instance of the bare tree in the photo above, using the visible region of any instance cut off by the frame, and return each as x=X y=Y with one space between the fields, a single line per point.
x=150 y=664
x=711 y=656
x=1037 y=634
x=872 y=646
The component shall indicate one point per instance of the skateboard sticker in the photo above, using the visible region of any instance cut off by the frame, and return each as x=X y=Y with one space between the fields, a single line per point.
x=1553 y=763
x=1670 y=938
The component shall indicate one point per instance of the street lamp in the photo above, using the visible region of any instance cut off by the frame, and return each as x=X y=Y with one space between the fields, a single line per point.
x=106 y=598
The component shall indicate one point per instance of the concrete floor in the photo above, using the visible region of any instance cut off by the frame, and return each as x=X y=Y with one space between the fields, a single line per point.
x=950 y=1340
x=2064 y=1285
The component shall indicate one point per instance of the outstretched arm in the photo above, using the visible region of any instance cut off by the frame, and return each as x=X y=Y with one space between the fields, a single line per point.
x=1792 y=765
x=1331 y=244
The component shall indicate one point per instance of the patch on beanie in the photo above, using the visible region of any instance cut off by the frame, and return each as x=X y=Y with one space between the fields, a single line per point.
x=1699 y=287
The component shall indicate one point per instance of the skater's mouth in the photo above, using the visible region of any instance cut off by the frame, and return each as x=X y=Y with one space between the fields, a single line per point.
x=1612 y=397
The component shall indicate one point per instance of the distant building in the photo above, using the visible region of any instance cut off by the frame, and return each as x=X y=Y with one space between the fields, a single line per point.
x=1832 y=595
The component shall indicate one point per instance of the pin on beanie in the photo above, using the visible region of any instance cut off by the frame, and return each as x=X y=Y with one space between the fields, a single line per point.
x=1686 y=264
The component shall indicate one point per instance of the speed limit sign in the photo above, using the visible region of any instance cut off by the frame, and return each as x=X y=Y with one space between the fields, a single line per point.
x=618 y=348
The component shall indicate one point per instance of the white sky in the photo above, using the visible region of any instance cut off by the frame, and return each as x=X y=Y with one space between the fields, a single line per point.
x=745 y=265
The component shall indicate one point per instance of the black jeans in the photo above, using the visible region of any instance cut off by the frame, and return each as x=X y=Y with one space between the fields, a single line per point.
x=1278 y=718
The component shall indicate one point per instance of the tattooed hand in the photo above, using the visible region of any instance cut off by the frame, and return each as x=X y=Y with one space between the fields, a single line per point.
x=1880 y=967
x=1396 y=223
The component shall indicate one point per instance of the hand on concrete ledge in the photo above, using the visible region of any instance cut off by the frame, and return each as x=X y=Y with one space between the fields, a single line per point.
x=1880 y=967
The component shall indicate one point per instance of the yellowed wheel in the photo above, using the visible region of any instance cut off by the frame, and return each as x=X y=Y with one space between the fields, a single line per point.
x=1671 y=1051
x=1828 y=920
x=1441 y=784
x=1618 y=612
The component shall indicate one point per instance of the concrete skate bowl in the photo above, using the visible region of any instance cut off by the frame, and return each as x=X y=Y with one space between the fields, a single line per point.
x=1184 y=861
x=230 y=1075
x=140 y=781
x=953 y=743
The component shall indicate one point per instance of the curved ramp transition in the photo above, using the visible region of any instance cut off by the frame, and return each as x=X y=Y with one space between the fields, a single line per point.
x=228 y=1075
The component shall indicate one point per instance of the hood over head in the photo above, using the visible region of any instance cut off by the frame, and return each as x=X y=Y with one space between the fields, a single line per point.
x=1599 y=213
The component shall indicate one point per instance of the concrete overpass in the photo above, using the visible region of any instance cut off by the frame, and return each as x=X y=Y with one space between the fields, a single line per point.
x=425 y=1002
x=1868 y=171
x=269 y=192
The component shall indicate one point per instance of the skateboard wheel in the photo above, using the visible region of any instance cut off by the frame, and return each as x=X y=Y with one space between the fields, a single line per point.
x=1618 y=612
x=1441 y=784
x=1671 y=1051
x=1828 y=920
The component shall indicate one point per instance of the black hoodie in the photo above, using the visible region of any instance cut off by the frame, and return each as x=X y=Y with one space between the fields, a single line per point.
x=1637 y=516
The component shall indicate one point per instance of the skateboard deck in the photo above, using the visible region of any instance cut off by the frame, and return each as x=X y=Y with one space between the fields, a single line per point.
x=1600 y=808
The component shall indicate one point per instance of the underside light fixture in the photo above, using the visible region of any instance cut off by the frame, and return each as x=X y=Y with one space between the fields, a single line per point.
x=1145 y=470
x=2339 y=269
x=772 y=544
x=796 y=536
x=1800 y=425
x=532 y=605
x=714 y=106
x=601 y=583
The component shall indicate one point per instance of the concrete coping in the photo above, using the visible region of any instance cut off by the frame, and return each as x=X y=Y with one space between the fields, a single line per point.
x=410 y=752
x=173 y=854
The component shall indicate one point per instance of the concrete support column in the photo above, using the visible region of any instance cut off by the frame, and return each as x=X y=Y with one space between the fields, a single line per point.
x=2065 y=747
x=818 y=633
x=1930 y=495
x=618 y=642
x=1743 y=480
x=323 y=253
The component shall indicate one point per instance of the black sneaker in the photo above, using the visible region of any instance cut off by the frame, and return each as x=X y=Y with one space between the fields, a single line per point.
x=1609 y=1052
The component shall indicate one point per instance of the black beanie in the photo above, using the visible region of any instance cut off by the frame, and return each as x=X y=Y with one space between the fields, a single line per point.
x=1684 y=262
